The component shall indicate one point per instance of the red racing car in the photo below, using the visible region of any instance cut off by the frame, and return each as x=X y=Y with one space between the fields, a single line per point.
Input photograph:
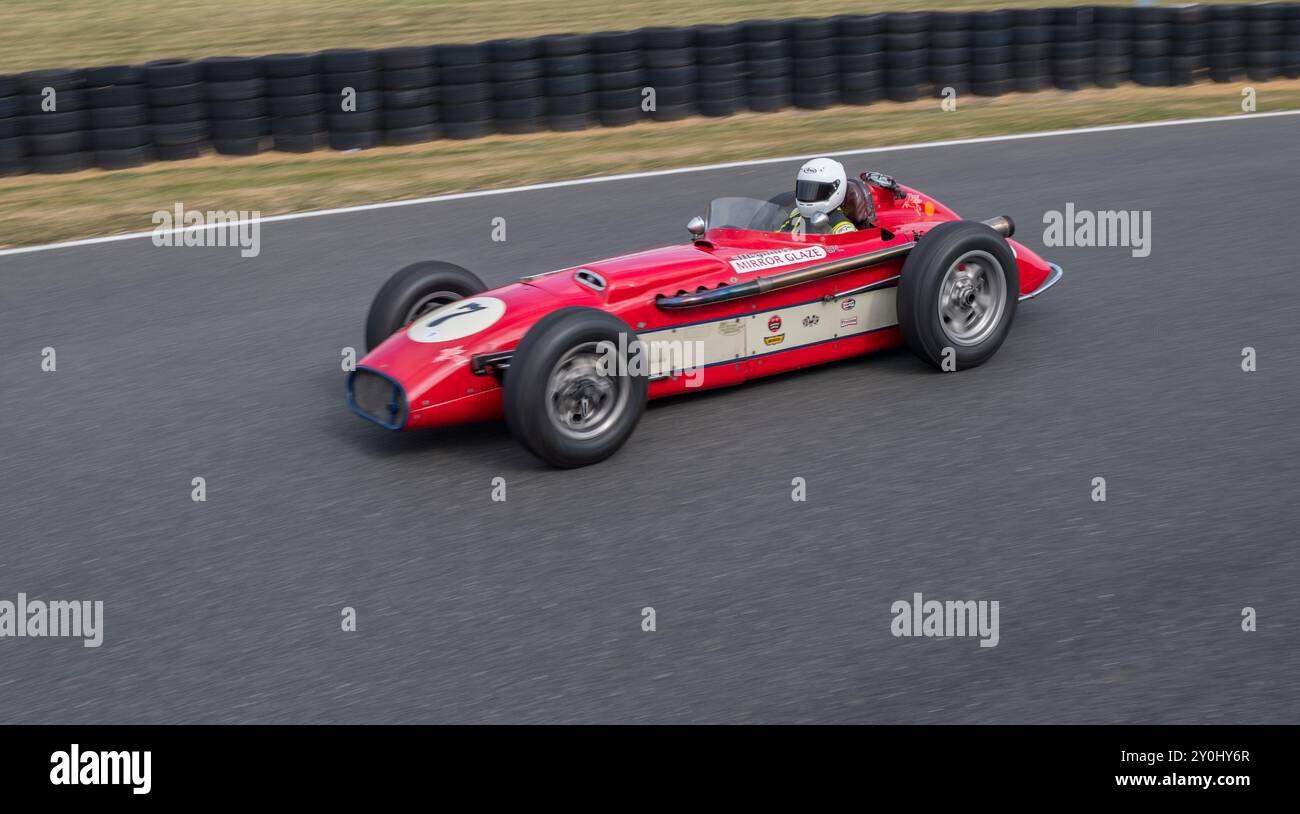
x=569 y=358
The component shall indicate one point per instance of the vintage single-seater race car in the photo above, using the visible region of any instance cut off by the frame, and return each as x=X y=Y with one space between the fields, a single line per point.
x=569 y=358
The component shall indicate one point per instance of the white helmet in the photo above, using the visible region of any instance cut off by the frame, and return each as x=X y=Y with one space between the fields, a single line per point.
x=819 y=186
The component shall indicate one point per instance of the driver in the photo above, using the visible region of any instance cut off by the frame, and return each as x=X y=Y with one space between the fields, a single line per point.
x=819 y=187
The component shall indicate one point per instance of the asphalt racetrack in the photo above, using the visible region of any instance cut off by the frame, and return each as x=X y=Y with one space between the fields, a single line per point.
x=175 y=363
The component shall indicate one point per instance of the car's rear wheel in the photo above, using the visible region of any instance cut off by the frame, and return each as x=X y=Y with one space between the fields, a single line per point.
x=575 y=391
x=957 y=294
x=415 y=291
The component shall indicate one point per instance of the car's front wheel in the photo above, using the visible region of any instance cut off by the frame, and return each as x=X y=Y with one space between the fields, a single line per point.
x=957 y=295
x=575 y=389
x=415 y=291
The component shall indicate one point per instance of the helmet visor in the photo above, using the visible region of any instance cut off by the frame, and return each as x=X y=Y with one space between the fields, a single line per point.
x=814 y=191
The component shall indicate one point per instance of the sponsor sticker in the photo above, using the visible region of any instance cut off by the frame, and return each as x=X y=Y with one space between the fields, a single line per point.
x=849 y=322
x=457 y=320
x=774 y=324
x=774 y=340
x=777 y=258
x=917 y=205
x=849 y=304
x=453 y=354
x=811 y=320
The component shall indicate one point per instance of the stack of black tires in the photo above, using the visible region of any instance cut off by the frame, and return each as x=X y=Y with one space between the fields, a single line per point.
x=12 y=153
x=907 y=53
x=620 y=77
x=294 y=102
x=120 y=136
x=1264 y=26
x=671 y=70
x=1227 y=43
x=1152 y=34
x=570 y=81
x=518 y=91
x=950 y=52
x=1032 y=38
x=123 y=116
x=720 y=55
x=1072 y=49
x=410 y=83
x=56 y=118
x=992 y=53
x=1188 y=43
x=1113 y=54
x=1291 y=43
x=350 y=81
x=177 y=113
x=768 y=65
x=465 y=91
x=861 y=46
x=815 y=62
x=236 y=94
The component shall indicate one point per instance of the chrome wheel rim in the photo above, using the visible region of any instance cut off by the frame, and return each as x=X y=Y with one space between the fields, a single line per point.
x=972 y=298
x=583 y=399
x=428 y=303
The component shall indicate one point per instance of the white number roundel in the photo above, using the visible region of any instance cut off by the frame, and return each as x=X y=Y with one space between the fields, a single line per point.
x=456 y=320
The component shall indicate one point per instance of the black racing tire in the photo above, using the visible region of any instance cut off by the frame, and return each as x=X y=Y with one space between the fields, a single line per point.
x=347 y=60
x=59 y=163
x=52 y=123
x=468 y=129
x=306 y=104
x=114 y=75
x=722 y=106
x=120 y=138
x=615 y=117
x=292 y=85
x=123 y=159
x=173 y=95
x=618 y=61
x=306 y=124
x=116 y=96
x=235 y=90
x=409 y=78
x=251 y=145
x=297 y=142
x=166 y=73
x=50 y=144
x=230 y=69
x=516 y=69
x=530 y=398
x=933 y=268
x=124 y=116
x=179 y=133
x=413 y=291
x=402 y=118
x=60 y=79
x=289 y=65
x=416 y=134
x=505 y=51
x=519 y=126
x=406 y=57
x=177 y=152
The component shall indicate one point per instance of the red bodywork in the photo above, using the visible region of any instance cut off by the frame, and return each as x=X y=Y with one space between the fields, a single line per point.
x=441 y=386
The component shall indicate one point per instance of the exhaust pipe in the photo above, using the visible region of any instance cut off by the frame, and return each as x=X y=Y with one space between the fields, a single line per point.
x=1002 y=224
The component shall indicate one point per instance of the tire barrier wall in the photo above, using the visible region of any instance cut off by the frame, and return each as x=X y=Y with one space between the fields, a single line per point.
x=114 y=117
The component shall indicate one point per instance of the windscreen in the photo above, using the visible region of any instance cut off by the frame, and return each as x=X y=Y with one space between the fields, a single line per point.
x=745 y=213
